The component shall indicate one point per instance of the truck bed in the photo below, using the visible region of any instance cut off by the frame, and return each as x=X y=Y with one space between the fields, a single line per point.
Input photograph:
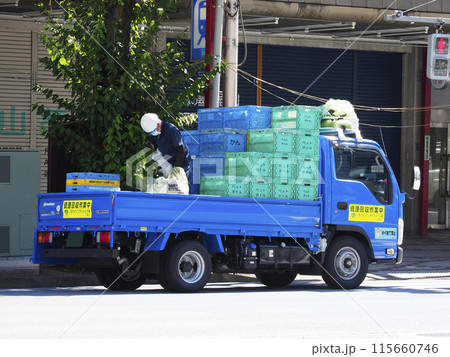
x=169 y=213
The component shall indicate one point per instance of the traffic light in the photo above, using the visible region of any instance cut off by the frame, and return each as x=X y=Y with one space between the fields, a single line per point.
x=438 y=59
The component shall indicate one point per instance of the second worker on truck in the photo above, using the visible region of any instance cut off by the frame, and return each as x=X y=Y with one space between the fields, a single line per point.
x=167 y=139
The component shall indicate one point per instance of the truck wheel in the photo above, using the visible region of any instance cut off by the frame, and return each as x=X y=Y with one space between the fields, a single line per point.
x=121 y=278
x=276 y=279
x=346 y=263
x=186 y=267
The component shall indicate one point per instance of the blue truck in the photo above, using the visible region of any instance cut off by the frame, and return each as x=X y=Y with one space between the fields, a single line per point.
x=128 y=237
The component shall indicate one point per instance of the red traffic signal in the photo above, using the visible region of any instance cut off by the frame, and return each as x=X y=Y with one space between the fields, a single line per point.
x=438 y=58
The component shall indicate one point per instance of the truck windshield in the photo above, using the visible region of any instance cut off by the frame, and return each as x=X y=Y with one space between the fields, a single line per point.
x=366 y=166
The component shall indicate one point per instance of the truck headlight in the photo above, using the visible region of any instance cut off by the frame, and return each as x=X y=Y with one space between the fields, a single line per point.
x=401 y=226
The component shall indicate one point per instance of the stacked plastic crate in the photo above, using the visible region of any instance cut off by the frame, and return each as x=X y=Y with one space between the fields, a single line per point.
x=91 y=181
x=223 y=132
x=283 y=160
x=293 y=143
x=265 y=152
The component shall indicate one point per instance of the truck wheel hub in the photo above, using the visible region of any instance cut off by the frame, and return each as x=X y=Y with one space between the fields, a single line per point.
x=191 y=267
x=186 y=267
x=347 y=263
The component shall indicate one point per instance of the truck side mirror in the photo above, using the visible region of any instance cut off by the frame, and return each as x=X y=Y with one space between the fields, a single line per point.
x=416 y=179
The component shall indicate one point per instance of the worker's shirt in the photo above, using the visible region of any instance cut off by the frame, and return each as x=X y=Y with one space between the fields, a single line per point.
x=167 y=143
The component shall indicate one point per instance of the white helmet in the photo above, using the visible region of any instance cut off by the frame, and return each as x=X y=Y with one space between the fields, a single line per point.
x=151 y=124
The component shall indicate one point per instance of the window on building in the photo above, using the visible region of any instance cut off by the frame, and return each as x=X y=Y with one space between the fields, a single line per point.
x=5 y=169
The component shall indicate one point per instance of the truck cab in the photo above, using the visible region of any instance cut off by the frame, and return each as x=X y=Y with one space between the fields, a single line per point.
x=363 y=206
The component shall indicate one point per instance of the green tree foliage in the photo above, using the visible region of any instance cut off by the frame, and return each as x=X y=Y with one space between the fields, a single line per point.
x=105 y=52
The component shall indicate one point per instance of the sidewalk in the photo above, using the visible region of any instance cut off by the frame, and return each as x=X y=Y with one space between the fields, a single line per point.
x=424 y=257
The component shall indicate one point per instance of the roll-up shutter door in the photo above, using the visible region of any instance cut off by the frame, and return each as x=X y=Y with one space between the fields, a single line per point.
x=362 y=77
x=15 y=89
x=246 y=85
x=325 y=73
x=20 y=128
x=379 y=83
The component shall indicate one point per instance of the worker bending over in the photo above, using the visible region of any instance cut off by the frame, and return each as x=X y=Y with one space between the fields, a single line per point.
x=166 y=138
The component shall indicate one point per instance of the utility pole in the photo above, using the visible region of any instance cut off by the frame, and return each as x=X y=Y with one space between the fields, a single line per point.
x=218 y=30
x=231 y=53
x=209 y=45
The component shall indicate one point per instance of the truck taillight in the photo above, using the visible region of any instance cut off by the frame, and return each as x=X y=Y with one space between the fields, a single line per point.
x=103 y=237
x=45 y=237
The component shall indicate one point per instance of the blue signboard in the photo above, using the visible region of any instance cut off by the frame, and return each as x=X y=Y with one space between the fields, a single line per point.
x=198 y=29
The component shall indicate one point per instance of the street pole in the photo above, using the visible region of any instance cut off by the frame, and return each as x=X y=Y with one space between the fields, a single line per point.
x=209 y=43
x=218 y=30
x=231 y=54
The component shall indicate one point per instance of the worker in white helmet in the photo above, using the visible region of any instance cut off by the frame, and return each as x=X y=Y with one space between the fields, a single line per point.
x=167 y=139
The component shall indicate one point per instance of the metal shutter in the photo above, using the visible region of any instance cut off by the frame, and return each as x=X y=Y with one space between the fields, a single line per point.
x=247 y=88
x=379 y=83
x=362 y=77
x=306 y=70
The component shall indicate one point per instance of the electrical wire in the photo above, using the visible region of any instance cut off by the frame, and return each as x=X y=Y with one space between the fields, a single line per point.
x=360 y=107
x=243 y=33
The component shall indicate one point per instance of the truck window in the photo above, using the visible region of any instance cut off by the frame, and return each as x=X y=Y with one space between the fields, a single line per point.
x=365 y=166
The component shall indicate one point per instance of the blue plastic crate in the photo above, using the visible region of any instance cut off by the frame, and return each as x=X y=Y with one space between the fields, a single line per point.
x=210 y=118
x=192 y=140
x=92 y=176
x=194 y=189
x=85 y=188
x=223 y=141
x=247 y=117
x=207 y=165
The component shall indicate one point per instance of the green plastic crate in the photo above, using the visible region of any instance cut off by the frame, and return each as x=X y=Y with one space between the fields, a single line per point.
x=254 y=164
x=214 y=185
x=271 y=141
x=306 y=190
x=307 y=142
x=225 y=186
x=283 y=189
x=307 y=167
x=296 y=117
x=261 y=189
x=238 y=187
x=285 y=166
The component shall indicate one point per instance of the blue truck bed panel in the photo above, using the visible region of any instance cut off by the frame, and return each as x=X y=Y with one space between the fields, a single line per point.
x=139 y=211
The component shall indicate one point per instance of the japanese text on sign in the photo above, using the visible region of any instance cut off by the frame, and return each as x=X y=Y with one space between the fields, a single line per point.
x=366 y=213
x=77 y=209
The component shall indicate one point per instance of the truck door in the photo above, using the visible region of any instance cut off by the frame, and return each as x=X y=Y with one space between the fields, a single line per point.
x=365 y=195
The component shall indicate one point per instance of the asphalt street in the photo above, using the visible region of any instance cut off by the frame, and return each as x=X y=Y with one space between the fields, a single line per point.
x=424 y=257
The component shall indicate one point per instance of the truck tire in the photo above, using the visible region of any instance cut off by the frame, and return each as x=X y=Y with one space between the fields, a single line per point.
x=186 y=268
x=118 y=279
x=279 y=279
x=346 y=263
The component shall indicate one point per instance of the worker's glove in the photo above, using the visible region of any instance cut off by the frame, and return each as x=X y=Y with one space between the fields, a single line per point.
x=160 y=185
